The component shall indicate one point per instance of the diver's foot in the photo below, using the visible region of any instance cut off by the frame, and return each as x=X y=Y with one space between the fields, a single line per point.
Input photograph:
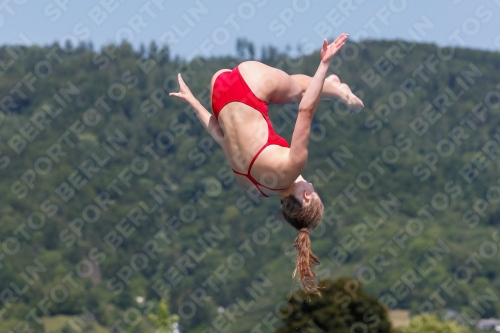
x=352 y=101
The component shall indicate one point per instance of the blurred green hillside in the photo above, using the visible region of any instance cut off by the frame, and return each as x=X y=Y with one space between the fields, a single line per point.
x=111 y=190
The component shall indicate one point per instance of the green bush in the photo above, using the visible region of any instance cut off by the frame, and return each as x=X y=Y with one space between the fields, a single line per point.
x=429 y=323
x=342 y=307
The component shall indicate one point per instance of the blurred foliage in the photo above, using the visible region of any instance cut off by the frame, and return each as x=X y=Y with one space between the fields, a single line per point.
x=429 y=323
x=163 y=320
x=343 y=307
x=124 y=92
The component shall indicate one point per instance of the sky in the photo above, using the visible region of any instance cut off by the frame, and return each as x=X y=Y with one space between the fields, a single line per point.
x=211 y=27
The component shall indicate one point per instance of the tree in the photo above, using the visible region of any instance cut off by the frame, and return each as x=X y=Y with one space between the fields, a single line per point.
x=153 y=50
x=142 y=50
x=270 y=54
x=430 y=323
x=245 y=48
x=163 y=321
x=343 y=307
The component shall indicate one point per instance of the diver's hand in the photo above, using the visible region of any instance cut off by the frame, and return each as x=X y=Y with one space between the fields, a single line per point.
x=184 y=93
x=328 y=51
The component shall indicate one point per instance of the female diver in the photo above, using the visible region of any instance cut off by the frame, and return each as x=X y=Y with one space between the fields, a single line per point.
x=262 y=160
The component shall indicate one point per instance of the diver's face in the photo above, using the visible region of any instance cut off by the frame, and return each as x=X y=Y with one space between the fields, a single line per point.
x=304 y=191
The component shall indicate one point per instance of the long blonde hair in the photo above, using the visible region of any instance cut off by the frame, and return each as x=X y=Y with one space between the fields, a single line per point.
x=304 y=218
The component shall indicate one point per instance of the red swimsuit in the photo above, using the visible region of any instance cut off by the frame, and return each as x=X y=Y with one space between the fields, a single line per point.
x=230 y=87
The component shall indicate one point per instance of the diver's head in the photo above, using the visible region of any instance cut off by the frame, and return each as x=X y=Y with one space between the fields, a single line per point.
x=303 y=209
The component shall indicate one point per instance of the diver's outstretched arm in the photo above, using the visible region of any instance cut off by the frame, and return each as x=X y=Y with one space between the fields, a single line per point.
x=309 y=103
x=205 y=117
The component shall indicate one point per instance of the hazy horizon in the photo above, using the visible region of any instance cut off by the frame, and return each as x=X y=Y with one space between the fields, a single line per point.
x=198 y=27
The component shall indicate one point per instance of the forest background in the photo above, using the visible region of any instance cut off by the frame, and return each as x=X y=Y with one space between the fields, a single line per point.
x=113 y=195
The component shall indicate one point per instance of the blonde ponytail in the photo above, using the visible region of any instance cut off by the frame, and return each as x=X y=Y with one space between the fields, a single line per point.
x=304 y=218
x=306 y=260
